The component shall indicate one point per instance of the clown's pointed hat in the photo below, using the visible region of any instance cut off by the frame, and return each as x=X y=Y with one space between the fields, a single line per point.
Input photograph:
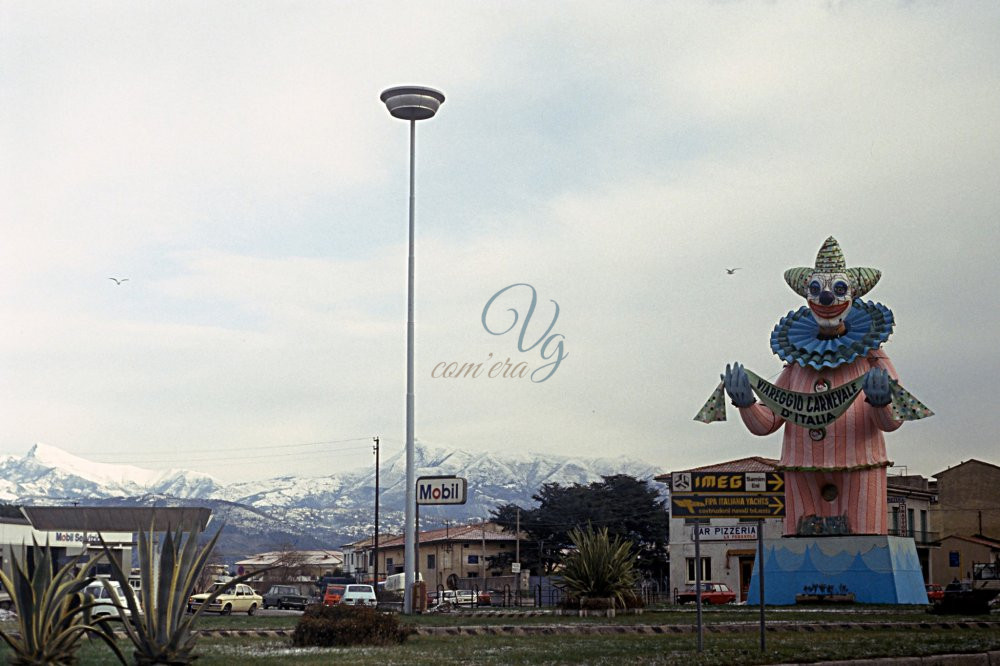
x=830 y=259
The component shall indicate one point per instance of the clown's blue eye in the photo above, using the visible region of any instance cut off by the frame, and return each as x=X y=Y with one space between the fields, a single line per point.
x=814 y=288
x=840 y=288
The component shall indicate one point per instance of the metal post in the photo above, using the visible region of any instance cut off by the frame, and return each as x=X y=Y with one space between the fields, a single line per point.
x=409 y=543
x=375 y=544
x=416 y=542
x=410 y=103
x=760 y=579
x=517 y=536
x=697 y=579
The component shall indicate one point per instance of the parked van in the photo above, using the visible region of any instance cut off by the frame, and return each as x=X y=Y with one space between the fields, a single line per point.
x=397 y=582
x=334 y=593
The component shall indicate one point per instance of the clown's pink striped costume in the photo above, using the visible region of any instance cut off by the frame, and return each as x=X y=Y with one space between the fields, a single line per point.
x=839 y=470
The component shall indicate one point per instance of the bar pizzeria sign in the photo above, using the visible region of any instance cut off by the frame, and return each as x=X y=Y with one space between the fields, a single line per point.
x=727 y=494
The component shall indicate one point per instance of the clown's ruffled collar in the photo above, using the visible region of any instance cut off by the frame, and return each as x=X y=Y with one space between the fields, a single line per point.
x=796 y=339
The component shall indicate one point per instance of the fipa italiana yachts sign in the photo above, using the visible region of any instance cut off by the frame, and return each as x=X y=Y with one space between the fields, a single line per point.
x=441 y=490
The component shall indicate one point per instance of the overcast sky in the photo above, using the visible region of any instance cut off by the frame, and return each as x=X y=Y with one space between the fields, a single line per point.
x=234 y=162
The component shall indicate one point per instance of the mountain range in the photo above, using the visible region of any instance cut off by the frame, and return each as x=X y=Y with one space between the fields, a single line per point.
x=295 y=511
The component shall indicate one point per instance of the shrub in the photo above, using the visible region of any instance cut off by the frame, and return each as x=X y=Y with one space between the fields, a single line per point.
x=633 y=600
x=596 y=603
x=164 y=634
x=53 y=613
x=599 y=567
x=327 y=626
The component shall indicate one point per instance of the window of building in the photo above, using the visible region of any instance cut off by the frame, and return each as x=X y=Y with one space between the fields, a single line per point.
x=911 y=524
x=430 y=561
x=472 y=574
x=388 y=564
x=923 y=524
x=473 y=559
x=706 y=569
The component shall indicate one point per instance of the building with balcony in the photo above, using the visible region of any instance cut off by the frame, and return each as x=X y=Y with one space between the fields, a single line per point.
x=911 y=500
x=451 y=556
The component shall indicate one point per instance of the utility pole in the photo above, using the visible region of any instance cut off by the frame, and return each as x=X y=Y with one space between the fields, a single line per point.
x=375 y=549
x=517 y=535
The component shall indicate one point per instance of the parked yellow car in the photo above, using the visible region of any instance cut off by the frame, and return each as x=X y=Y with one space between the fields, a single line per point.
x=238 y=598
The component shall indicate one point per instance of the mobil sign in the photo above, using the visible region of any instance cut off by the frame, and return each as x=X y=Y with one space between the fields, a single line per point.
x=441 y=490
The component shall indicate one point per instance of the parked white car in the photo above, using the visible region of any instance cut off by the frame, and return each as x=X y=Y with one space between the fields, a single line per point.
x=113 y=603
x=455 y=597
x=359 y=595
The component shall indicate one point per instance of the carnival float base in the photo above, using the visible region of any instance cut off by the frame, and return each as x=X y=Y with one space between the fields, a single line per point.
x=871 y=569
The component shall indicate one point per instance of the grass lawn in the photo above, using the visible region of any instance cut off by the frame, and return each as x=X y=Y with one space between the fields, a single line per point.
x=686 y=615
x=563 y=647
x=722 y=650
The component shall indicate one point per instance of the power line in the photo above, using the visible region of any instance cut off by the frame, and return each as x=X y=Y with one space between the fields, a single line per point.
x=227 y=454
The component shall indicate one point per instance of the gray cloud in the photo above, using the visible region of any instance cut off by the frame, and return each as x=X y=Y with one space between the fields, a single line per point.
x=236 y=163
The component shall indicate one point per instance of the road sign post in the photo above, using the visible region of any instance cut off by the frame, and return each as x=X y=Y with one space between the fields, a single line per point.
x=757 y=495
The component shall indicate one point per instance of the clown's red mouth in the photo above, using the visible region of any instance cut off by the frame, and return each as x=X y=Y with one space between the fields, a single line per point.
x=829 y=311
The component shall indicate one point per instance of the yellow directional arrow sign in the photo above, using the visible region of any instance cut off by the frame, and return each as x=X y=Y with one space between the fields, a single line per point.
x=775 y=482
x=727 y=505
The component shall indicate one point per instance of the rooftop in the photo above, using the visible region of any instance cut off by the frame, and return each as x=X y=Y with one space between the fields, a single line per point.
x=117 y=518
x=303 y=558
x=454 y=533
x=750 y=464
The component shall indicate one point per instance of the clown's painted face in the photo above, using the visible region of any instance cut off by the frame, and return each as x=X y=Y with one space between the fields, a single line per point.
x=830 y=297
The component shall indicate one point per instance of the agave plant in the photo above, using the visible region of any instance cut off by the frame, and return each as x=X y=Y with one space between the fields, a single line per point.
x=599 y=566
x=163 y=634
x=52 y=610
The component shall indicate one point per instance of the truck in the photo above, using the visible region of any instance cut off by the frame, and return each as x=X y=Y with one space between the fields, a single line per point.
x=397 y=582
x=285 y=596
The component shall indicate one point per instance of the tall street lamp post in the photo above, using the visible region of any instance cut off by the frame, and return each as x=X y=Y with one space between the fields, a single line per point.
x=410 y=103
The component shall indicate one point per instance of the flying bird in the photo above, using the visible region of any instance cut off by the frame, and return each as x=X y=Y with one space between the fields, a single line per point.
x=118 y=281
x=730 y=271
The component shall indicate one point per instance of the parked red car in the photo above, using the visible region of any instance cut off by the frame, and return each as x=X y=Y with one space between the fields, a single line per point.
x=934 y=592
x=711 y=593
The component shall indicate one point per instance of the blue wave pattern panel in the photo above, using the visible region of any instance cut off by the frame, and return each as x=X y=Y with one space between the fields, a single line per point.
x=875 y=569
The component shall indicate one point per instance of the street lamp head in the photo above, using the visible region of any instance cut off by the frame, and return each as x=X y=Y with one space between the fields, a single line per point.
x=412 y=102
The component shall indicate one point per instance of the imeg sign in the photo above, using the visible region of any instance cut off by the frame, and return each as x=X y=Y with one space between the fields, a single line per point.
x=441 y=490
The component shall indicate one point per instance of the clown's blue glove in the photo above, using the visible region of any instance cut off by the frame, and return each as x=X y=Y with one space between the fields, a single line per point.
x=876 y=388
x=738 y=385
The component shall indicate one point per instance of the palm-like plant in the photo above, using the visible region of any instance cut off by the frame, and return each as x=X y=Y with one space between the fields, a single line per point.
x=599 y=566
x=52 y=610
x=163 y=634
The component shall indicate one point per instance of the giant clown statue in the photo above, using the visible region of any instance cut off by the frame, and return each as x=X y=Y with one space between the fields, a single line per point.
x=836 y=396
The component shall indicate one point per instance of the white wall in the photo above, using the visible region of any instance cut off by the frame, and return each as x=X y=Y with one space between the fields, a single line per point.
x=725 y=569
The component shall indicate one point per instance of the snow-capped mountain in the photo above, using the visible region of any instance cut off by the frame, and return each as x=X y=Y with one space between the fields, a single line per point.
x=47 y=471
x=326 y=511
